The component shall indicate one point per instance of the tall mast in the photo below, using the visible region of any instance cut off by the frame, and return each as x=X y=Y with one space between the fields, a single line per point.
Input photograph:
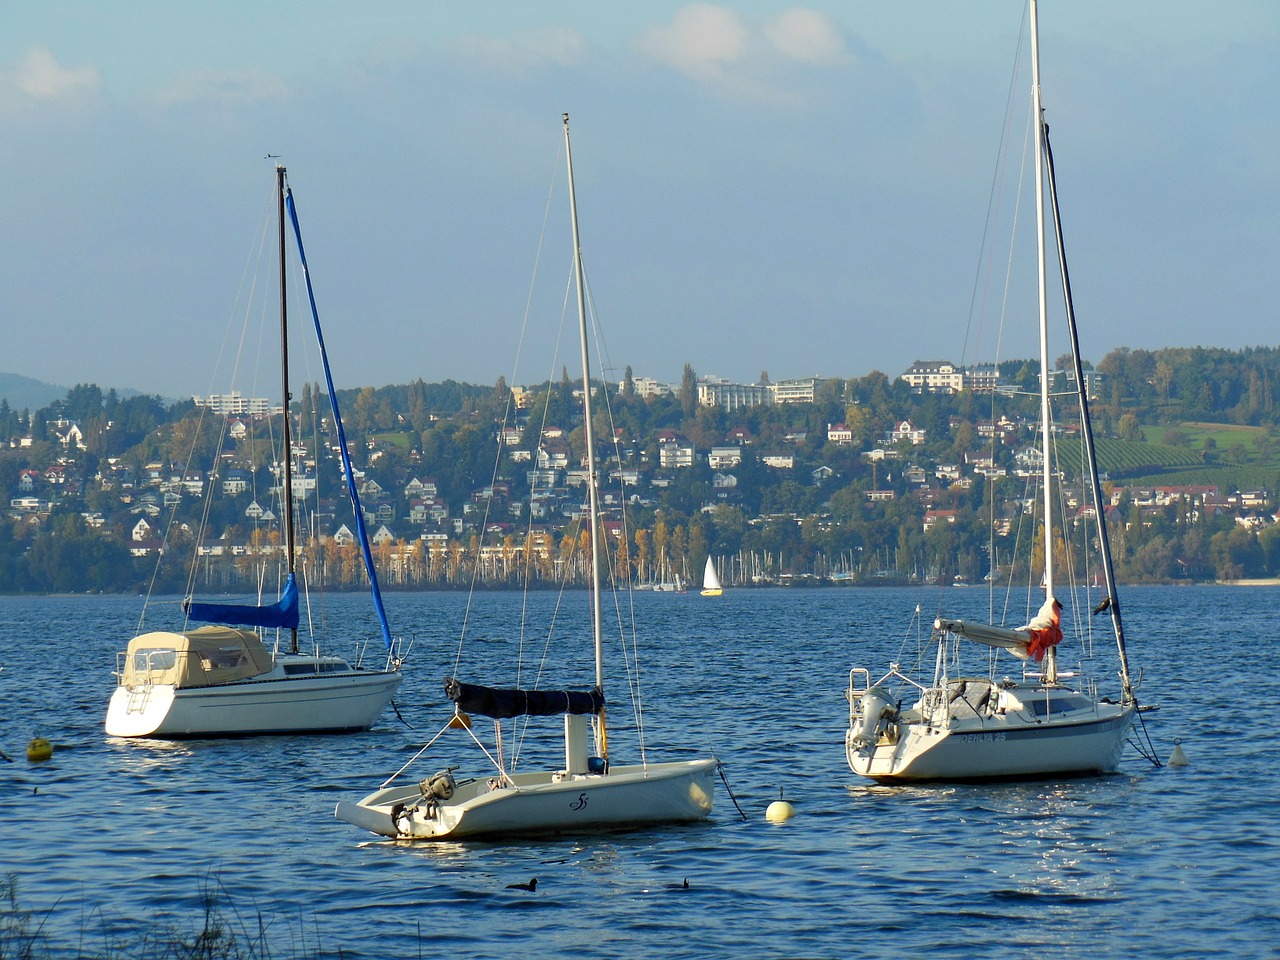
x=588 y=429
x=1086 y=425
x=1047 y=467
x=289 y=547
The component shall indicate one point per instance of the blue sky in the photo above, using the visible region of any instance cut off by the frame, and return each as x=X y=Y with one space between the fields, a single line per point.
x=798 y=189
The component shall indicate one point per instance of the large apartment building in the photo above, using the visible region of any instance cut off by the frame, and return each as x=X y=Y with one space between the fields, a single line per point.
x=719 y=392
x=234 y=404
x=942 y=376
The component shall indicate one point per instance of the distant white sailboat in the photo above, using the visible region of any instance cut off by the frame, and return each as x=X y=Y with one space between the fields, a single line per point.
x=667 y=580
x=710 y=581
x=588 y=793
x=1040 y=721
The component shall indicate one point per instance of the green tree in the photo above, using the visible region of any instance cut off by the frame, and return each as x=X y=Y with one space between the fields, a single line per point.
x=688 y=391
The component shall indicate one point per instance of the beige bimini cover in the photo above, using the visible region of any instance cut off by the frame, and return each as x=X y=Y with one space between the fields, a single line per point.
x=198 y=658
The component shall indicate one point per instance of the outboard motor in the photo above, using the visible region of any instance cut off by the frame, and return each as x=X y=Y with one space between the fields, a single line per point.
x=439 y=786
x=874 y=707
x=436 y=789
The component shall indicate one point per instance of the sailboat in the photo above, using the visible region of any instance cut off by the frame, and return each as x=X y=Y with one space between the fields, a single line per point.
x=668 y=581
x=588 y=793
x=1044 y=721
x=710 y=581
x=220 y=679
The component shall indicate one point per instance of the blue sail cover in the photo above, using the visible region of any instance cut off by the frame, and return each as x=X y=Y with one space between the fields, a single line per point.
x=354 y=495
x=500 y=704
x=282 y=613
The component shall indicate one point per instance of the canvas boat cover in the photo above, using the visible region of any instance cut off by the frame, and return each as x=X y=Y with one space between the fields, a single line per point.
x=197 y=658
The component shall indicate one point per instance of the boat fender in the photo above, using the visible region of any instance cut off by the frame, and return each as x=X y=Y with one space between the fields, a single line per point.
x=400 y=811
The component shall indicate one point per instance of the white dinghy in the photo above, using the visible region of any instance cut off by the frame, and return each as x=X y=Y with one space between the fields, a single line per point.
x=587 y=793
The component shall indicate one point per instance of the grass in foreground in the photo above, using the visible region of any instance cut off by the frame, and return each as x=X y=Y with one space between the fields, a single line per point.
x=221 y=934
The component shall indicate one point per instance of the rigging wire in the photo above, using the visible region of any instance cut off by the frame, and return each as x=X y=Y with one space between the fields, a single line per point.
x=249 y=277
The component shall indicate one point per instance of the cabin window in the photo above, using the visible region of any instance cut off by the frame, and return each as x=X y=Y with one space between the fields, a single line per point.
x=1042 y=707
x=226 y=658
x=296 y=669
x=154 y=658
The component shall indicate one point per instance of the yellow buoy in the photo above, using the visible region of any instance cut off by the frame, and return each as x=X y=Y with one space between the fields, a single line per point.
x=779 y=811
x=459 y=721
x=39 y=749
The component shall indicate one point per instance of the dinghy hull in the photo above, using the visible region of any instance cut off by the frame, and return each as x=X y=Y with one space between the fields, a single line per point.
x=624 y=798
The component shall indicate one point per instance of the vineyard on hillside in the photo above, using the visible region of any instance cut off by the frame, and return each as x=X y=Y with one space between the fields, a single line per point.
x=1121 y=459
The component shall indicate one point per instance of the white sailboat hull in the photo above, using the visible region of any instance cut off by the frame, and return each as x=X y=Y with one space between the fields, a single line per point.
x=334 y=703
x=1015 y=746
x=625 y=797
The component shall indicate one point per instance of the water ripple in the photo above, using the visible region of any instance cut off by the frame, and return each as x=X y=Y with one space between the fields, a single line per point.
x=115 y=840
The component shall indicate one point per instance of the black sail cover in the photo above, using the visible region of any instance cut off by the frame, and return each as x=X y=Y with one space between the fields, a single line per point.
x=500 y=704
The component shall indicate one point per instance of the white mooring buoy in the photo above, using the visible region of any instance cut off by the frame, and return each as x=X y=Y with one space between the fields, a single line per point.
x=1178 y=758
x=779 y=811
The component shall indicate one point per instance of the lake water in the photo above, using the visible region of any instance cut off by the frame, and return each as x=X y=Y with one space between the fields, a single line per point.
x=113 y=840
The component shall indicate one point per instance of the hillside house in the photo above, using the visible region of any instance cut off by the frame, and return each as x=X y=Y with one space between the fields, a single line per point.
x=236 y=481
x=904 y=431
x=553 y=456
x=675 y=453
x=932 y=517
x=839 y=434
x=421 y=488
x=1004 y=430
x=724 y=458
